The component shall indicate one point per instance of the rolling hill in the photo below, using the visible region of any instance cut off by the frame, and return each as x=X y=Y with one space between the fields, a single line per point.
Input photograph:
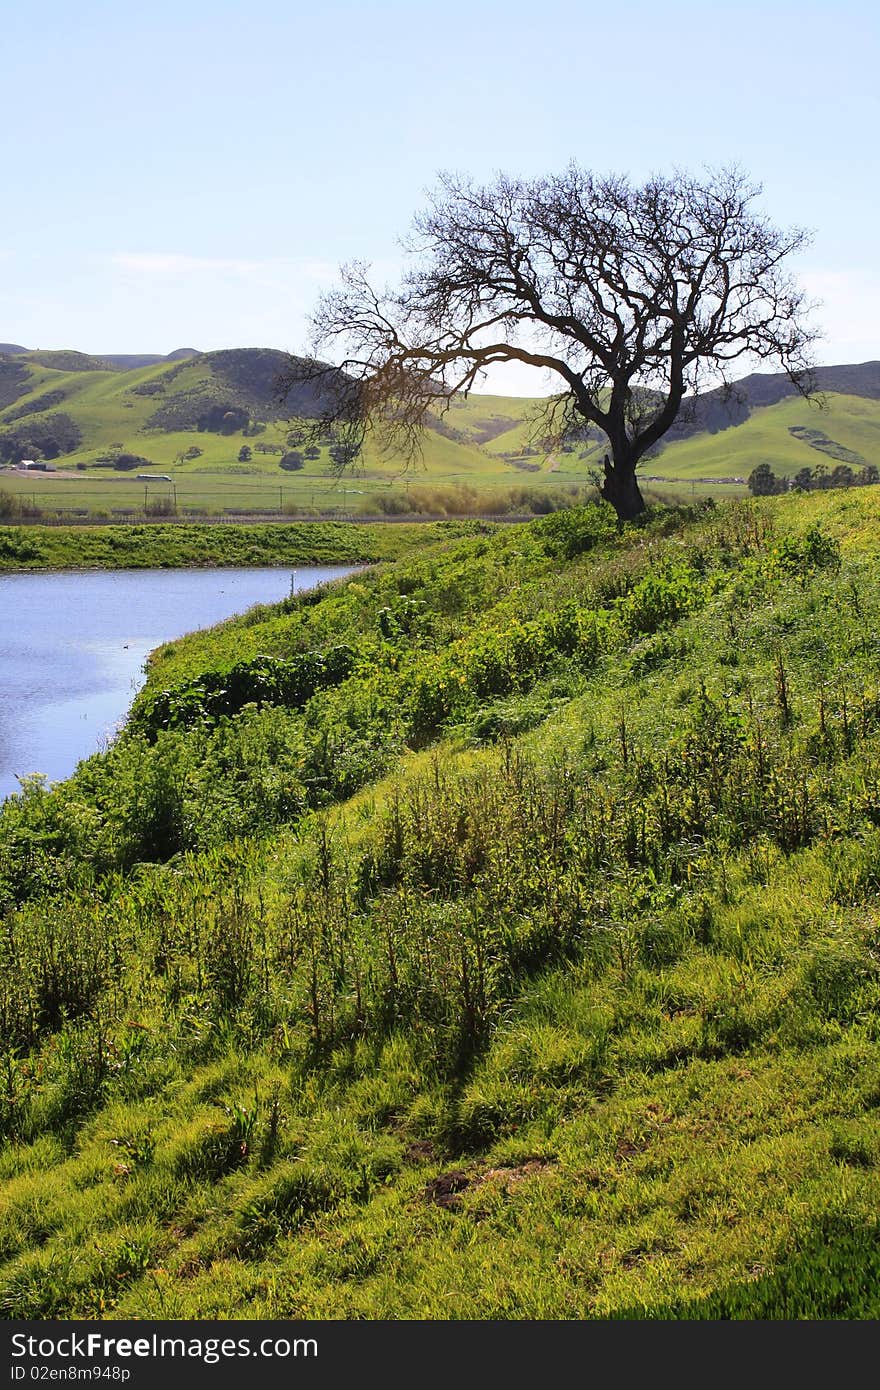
x=213 y=422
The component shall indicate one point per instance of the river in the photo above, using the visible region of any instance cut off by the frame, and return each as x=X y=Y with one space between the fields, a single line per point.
x=73 y=647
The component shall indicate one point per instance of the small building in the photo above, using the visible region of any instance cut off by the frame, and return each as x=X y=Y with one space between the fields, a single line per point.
x=154 y=477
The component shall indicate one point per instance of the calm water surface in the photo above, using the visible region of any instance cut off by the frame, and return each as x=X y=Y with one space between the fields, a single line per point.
x=72 y=649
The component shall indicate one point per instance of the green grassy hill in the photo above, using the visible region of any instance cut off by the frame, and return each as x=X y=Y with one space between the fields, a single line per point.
x=191 y=415
x=491 y=935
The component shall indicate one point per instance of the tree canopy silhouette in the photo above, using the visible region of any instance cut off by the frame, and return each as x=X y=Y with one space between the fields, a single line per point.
x=634 y=297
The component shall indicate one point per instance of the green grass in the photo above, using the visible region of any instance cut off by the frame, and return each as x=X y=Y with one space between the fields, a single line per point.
x=233 y=488
x=160 y=546
x=491 y=936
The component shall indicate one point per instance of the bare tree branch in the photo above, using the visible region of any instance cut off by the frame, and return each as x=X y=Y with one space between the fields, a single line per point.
x=634 y=297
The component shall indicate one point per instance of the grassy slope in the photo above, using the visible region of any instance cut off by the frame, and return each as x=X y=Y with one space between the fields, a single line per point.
x=852 y=421
x=583 y=1022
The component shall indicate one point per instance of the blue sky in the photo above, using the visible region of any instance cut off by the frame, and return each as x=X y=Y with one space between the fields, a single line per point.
x=192 y=174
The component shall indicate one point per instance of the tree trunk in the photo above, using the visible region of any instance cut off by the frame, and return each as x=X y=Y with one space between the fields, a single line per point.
x=621 y=489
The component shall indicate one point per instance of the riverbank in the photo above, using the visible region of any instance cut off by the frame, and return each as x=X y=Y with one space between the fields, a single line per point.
x=490 y=935
x=75 y=643
x=184 y=545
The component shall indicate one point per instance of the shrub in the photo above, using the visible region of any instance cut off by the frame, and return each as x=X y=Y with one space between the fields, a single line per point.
x=269 y=680
x=799 y=555
x=10 y=506
x=125 y=462
x=161 y=506
x=223 y=419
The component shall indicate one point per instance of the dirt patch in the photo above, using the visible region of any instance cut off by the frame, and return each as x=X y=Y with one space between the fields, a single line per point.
x=628 y=1148
x=37 y=475
x=447 y=1189
x=420 y=1151
x=191 y=1268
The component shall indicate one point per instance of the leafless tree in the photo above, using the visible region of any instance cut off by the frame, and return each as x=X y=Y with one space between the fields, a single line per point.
x=634 y=297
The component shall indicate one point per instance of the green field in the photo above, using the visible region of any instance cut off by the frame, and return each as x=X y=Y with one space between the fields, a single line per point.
x=491 y=936
x=485 y=457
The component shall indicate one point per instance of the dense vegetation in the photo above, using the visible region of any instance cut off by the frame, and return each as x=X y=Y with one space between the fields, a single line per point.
x=40 y=436
x=492 y=935
x=164 y=546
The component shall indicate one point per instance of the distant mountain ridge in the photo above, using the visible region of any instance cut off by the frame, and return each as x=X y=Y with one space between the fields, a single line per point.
x=68 y=359
x=253 y=371
x=127 y=361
